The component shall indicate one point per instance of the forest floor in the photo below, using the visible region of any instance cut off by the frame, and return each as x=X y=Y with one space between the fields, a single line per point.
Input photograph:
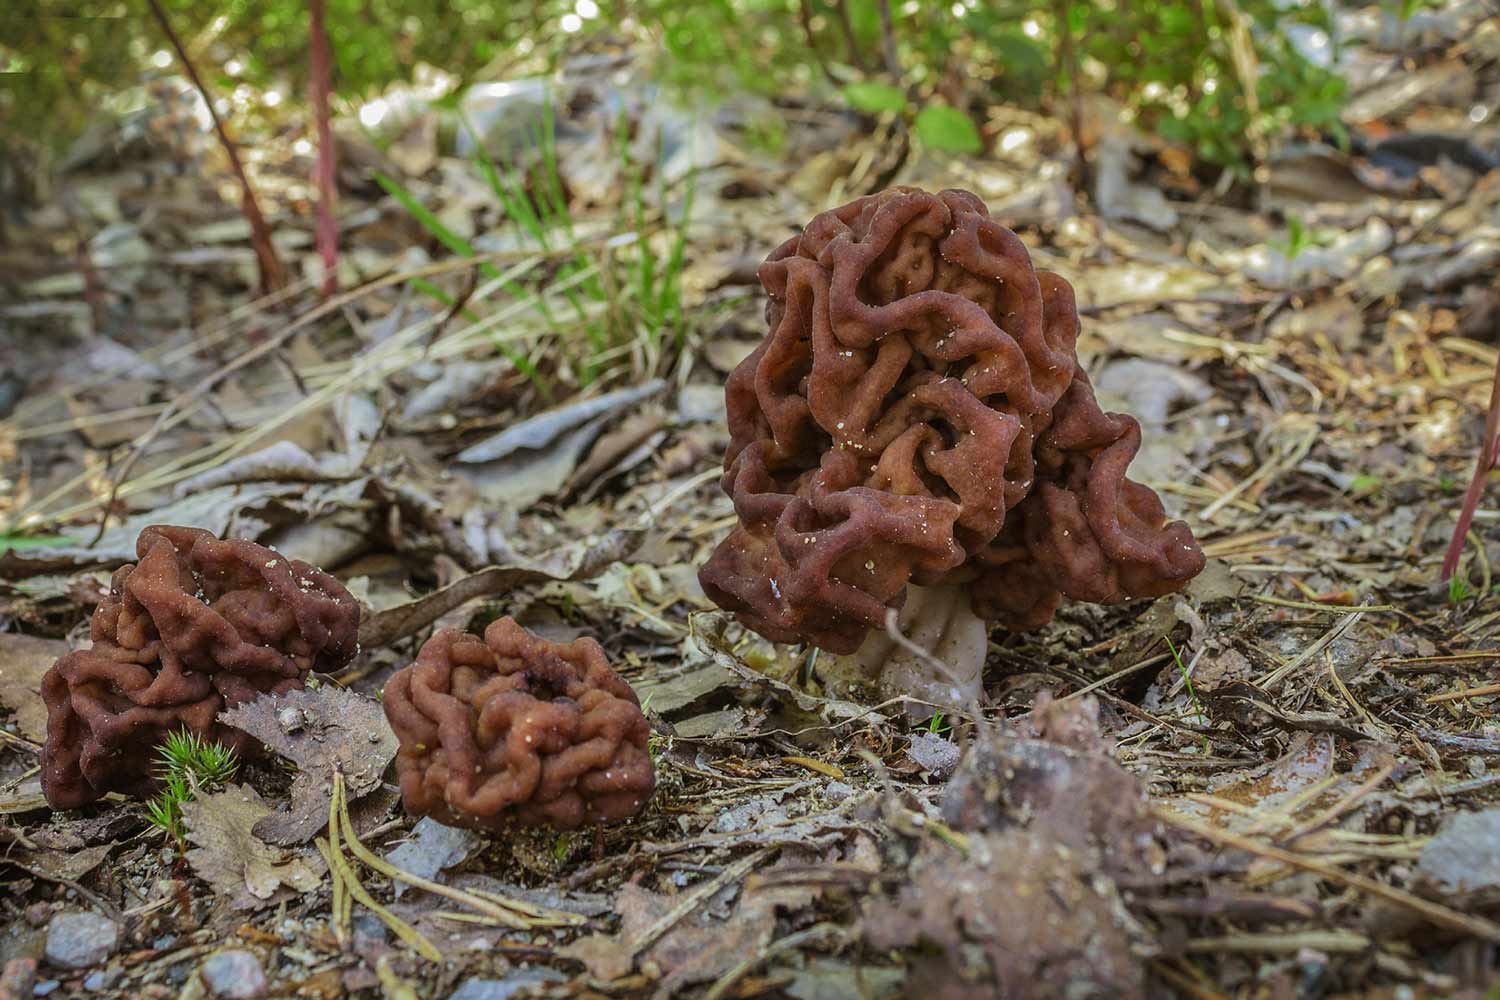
x=1283 y=782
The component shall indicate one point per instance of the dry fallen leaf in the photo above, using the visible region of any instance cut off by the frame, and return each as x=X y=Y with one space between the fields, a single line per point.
x=62 y=865
x=229 y=857
x=703 y=945
x=317 y=729
x=26 y=797
x=23 y=660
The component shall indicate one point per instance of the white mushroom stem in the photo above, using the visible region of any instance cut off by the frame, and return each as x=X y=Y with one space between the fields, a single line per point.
x=947 y=666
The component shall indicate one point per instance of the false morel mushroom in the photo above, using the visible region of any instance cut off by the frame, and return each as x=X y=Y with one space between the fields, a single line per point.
x=513 y=729
x=916 y=415
x=196 y=625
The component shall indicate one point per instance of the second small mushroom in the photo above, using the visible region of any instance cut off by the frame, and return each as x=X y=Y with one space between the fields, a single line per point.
x=512 y=729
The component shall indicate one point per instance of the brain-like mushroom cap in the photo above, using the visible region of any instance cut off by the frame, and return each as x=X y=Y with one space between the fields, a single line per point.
x=917 y=415
x=195 y=626
x=512 y=728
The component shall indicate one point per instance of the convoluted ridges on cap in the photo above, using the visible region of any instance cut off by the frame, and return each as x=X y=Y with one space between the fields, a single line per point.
x=514 y=729
x=916 y=414
x=195 y=626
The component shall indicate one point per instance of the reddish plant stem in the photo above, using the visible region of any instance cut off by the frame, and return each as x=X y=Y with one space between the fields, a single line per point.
x=272 y=274
x=321 y=54
x=93 y=287
x=1487 y=454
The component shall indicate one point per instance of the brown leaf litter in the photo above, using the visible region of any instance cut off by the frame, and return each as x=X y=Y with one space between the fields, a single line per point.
x=230 y=857
x=322 y=730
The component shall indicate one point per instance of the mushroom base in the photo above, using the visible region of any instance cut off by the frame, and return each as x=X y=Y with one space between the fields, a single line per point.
x=940 y=620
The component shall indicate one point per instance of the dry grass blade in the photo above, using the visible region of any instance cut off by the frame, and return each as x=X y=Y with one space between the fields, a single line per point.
x=512 y=914
x=1473 y=692
x=341 y=871
x=1263 y=476
x=392 y=986
x=1332 y=609
x=698 y=896
x=1434 y=913
x=1184 y=983
x=1276 y=676
x=1345 y=941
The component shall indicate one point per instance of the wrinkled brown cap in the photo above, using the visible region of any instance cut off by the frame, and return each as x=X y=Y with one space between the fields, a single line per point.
x=196 y=626
x=917 y=414
x=512 y=729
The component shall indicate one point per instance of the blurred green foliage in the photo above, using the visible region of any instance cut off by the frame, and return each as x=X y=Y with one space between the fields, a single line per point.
x=1172 y=63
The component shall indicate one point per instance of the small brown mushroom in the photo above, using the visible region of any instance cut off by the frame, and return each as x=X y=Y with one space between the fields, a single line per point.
x=514 y=729
x=195 y=626
x=917 y=417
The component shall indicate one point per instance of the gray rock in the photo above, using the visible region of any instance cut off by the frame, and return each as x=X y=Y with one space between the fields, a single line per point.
x=933 y=754
x=235 y=974
x=1464 y=856
x=517 y=984
x=369 y=933
x=838 y=791
x=432 y=848
x=103 y=979
x=81 y=939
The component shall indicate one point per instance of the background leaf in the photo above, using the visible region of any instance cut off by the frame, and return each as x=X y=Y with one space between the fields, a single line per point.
x=947 y=130
x=875 y=97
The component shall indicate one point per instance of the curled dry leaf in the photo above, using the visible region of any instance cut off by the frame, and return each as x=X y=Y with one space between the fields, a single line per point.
x=573 y=562
x=703 y=944
x=229 y=857
x=23 y=661
x=535 y=457
x=317 y=729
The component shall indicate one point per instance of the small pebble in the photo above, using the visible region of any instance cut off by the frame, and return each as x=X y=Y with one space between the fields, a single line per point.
x=369 y=932
x=838 y=791
x=517 y=983
x=17 y=978
x=45 y=988
x=95 y=982
x=81 y=939
x=37 y=914
x=235 y=974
